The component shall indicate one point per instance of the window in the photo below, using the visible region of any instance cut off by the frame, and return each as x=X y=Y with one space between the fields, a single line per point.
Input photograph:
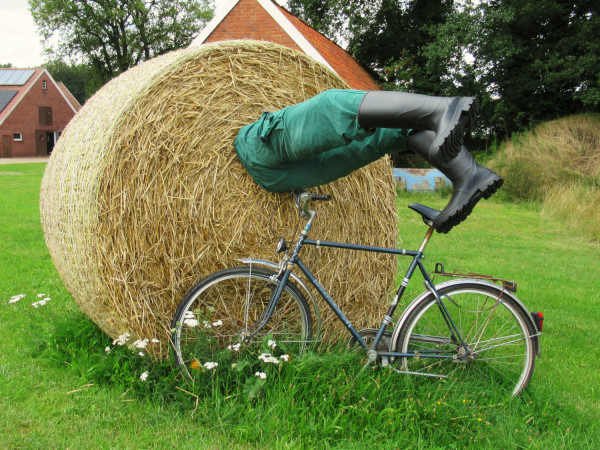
x=45 y=113
x=44 y=84
x=17 y=137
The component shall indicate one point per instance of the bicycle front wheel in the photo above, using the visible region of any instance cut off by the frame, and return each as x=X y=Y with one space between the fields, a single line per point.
x=496 y=330
x=220 y=311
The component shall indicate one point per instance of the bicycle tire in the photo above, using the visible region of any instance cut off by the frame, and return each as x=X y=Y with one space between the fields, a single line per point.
x=493 y=325
x=217 y=312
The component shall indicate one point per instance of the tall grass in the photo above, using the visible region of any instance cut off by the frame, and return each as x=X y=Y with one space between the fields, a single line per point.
x=558 y=165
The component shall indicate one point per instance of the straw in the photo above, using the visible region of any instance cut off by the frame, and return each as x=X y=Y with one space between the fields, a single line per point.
x=144 y=195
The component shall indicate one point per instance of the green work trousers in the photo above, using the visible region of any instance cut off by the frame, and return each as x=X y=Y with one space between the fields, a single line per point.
x=313 y=143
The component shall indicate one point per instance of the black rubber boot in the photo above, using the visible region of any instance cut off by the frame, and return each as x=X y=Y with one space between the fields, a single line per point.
x=470 y=181
x=448 y=117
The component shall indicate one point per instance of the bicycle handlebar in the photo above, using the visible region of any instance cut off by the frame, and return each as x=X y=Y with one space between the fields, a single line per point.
x=323 y=197
x=302 y=200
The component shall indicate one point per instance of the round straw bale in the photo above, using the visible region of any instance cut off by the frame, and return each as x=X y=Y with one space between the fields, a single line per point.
x=144 y=195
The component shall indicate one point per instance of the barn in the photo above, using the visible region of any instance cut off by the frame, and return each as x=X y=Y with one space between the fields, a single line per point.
x=34 y=110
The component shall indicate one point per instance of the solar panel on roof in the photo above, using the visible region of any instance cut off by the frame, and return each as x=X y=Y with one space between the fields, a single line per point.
x=5 y=98
x=15 y=77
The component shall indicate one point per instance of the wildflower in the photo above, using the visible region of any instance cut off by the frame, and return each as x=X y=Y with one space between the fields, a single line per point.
x=41 y=302
x=190 y=322
x=141 y=354
x=188 y=315
x=144 y=376
x=141 y=343
x=218 y=323
x=210 y=365
x=234 y=365
x=41 y=295
x=107 y=349
x=16 y=298
x=272 y=344
x=285 y=358
x=261 y=375
x=156 y=341
x=266 y=357
x=121 y=340
x=206 y=324
x=234 y=347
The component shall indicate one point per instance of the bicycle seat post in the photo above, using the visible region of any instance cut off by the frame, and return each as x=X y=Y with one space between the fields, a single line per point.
x=426 y=239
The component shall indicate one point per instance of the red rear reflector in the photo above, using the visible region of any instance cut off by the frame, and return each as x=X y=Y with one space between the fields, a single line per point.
x=538 y=318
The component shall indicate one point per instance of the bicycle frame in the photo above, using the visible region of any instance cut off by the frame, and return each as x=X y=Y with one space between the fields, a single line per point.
x=417 y=256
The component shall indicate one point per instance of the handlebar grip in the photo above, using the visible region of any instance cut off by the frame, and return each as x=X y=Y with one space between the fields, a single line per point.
x=323 y=197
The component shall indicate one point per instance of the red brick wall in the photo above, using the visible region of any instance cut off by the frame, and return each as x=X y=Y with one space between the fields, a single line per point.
x=249 y=20
x=25 y=117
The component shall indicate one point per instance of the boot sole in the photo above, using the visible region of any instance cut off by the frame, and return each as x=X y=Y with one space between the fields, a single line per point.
x=484 y=190
x=450 y=142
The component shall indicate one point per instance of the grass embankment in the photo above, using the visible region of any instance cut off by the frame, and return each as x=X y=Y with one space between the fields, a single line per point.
x=59 y=388
x=558 y=165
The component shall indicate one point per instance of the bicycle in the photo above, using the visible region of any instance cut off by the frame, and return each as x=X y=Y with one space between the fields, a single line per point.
x=460 y=328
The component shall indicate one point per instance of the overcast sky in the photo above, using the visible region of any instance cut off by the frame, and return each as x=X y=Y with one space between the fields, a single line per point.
x=19 y=40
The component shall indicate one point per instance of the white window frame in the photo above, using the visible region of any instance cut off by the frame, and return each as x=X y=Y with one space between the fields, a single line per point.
x=44 y=85
x=19 y=138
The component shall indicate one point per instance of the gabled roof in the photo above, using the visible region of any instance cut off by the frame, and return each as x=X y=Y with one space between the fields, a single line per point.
x=309 y=40
x=72 y=100
x=28 y=77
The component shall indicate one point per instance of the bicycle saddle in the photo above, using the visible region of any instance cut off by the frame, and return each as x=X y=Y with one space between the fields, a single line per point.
x=427 y=213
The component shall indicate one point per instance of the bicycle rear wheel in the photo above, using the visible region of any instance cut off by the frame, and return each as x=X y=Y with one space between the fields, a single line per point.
x=494 y=326
x=217 y=313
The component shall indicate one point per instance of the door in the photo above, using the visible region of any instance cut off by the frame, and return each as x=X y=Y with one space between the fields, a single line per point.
x=50 y=141
x=41 y=144
x=6 y=147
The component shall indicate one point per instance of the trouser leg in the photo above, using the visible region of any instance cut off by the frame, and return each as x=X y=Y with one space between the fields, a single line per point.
x=320 y=124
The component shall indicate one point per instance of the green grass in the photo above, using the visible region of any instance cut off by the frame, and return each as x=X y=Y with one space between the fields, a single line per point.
x=58 y=388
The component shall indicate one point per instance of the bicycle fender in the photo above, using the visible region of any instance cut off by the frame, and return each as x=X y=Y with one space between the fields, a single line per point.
x=297 y=280
x=458 y=281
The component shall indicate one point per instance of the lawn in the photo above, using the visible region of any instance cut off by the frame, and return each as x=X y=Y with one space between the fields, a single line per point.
x=59 y=388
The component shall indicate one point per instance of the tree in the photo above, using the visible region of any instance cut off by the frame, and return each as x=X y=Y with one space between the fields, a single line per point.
x=531 y=61
x=82 y=80
x=114 y=35
x=380 y=34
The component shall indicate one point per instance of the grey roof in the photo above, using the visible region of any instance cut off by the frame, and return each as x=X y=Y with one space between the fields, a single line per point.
x=15 y=77
x=5 y=98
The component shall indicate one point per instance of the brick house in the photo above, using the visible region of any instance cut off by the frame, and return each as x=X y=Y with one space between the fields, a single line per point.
x=265 y=20
x=34 y=110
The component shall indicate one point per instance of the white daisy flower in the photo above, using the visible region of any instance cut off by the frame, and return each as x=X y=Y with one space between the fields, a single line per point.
x=144 y=376
x=268 y=358
x=16 y=298
x=142 y=343
x=121 y=340
x=192 y=323
x=261 y=375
